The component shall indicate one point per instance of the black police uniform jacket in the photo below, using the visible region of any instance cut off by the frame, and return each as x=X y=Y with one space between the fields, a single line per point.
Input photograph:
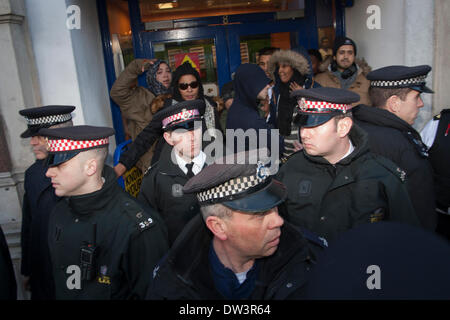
x=38 y=202
x=396 y=140
x=130 y=240
x=330 y=199
x=8 y=286
x=162 y=190
x=185 y=273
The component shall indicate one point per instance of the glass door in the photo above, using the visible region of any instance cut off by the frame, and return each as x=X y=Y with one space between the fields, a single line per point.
x=205 y=47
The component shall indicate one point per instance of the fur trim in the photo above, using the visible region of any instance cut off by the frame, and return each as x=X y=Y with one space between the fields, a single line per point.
x=158 y=102
x=220 y=104
x=363 y=66
x=294 y=59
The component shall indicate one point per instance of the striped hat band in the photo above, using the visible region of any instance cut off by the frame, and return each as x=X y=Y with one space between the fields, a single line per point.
x=181 y=116
x=420 y=80
x=54 y=119
x=61 y=145
x=309 y=106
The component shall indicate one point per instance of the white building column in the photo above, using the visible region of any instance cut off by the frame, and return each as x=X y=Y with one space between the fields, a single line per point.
x=18 y=89
x=405 y=37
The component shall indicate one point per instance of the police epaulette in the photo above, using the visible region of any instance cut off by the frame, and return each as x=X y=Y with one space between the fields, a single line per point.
x=149 y=168
x=284 y=159
x=439 y=115
x=142 y=219
x=392 y=167
x=314 y=238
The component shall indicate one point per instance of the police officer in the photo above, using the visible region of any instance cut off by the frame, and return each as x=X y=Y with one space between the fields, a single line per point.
x=436 y=136
x=240 y=247
x=395 y=94
x=162 y=185
x=335 y=183
x=102 y=241
x=39 y=200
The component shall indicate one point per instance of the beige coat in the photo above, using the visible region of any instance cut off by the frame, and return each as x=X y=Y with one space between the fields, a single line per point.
x=134 y=102
x=360 y=86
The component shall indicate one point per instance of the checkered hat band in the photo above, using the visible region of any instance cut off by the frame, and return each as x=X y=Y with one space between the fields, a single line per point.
x=71 y=145
x=57 y=118
x=420 y=80
x=231 y=187
x=184 y=115
x=321 y=106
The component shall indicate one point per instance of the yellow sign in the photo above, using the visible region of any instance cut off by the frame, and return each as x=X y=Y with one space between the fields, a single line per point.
x=133 y=181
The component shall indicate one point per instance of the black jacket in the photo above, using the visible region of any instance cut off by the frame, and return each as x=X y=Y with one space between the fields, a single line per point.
x=38 y=202
x=161 y=189
x=8 y=286
x=243 y=113
x=396 y=140
x=185 y=272
x=130 y=241
x=330 y=199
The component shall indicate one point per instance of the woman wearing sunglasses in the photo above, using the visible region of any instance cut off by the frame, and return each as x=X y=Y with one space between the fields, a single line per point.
x=186 y=85
x=135 y=101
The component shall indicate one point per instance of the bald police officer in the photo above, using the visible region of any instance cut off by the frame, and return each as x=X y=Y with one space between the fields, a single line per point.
x=39 y=200
x=335 y=183
x=240 y=247
x=102 y=241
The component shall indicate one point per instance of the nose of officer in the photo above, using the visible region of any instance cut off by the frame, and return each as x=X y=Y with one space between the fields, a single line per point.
x=50 y=172
x=34 y=140
x=276 y=221
x=305 y=133
x=420 y=103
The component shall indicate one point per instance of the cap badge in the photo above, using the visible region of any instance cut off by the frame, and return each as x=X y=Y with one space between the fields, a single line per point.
x=261 y=171
x=303 y=105
x=185 y=114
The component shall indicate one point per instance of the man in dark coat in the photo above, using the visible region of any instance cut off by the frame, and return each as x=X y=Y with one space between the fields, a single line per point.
x=102 y=241
x=38 y=201
x=8 y=286
x=162 y=185
x=436 y=136
x=240 y=248
x=335 y=183
x=395 y=95
x=251 y=84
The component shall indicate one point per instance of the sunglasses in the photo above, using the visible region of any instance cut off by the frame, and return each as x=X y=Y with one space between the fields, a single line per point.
x=184 y=86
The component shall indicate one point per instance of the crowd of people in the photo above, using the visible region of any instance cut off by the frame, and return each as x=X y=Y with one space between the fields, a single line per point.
x=222 y=224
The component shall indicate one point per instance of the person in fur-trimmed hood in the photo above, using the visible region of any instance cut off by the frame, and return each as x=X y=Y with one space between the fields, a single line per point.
x=345 y=71
x=291 y=70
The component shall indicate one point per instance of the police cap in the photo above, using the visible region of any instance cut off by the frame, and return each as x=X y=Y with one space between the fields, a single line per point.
x=66 y=143
x=181 y=115
x=241 y=186
x=395 y=77
x=44 y=117
x=383 y=261
x=318 y=105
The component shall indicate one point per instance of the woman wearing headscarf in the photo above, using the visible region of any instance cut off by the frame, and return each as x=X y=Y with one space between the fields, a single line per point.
x=186 y=85
x=135 y=101
x=291 y=70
